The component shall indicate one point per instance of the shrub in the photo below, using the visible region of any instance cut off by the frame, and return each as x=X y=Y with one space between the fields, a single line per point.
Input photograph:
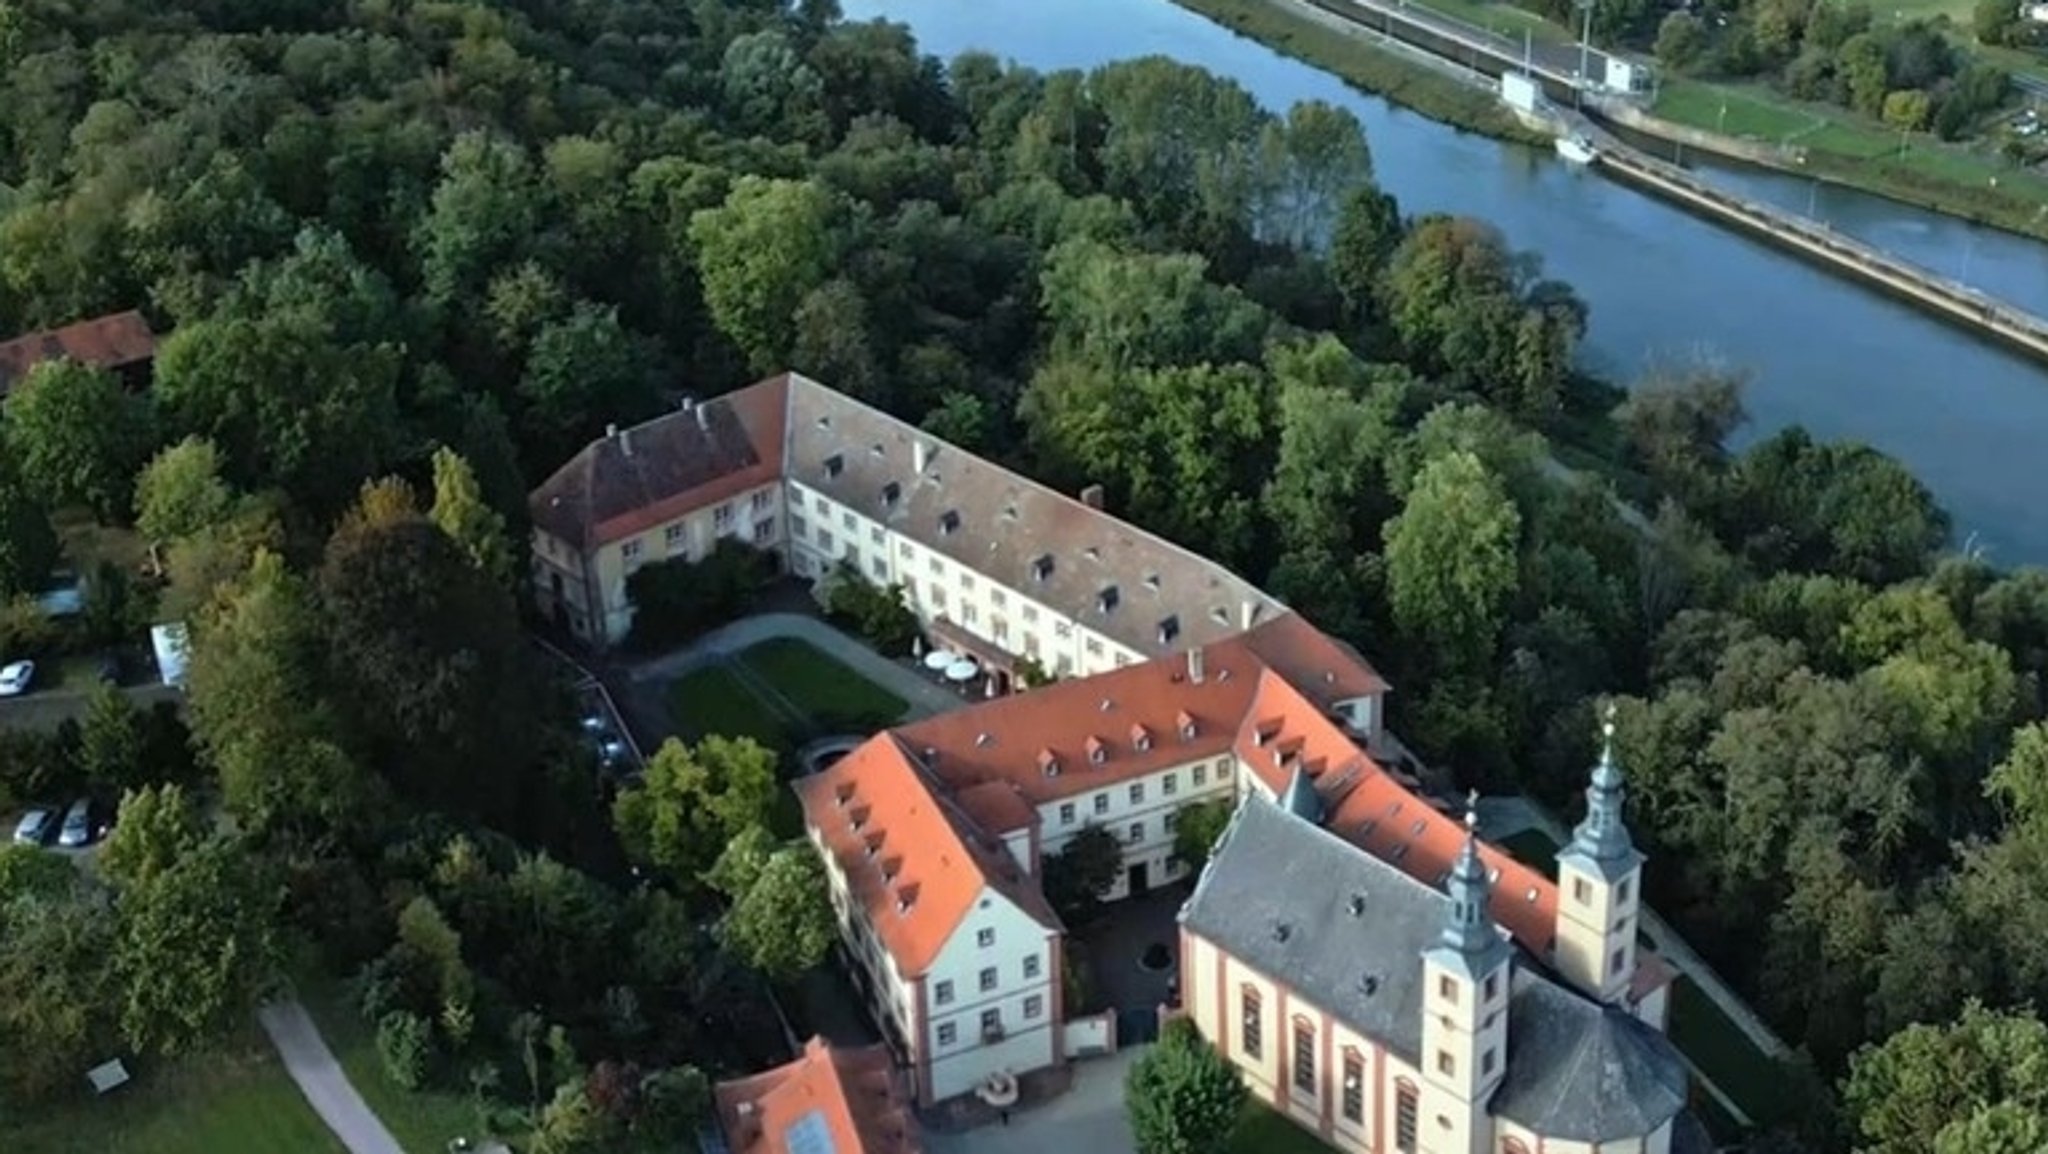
x=405 y=1042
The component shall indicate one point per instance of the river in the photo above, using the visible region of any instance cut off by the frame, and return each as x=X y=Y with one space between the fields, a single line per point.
x=1663 y=286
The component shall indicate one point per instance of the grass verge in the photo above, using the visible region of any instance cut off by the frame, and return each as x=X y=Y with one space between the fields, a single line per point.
x=822 y=686
x=1533 y=848
x=1366 y=65
x=238 y=1100
x=1841 y=147
x=422 y=1121
x=1726 y=1056
x=1263 y=1130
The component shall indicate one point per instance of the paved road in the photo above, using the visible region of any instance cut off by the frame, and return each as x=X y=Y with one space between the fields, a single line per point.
x=322 y=1080
x=1560 y=59
x=48 y=708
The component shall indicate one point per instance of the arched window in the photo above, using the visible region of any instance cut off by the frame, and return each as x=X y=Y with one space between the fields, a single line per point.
x=1404 y=1116
x=1354 y=1086
x=1304 y=1054
x=1251 y=1039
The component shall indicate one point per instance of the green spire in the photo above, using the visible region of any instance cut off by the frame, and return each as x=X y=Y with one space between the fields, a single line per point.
x=1602 y=836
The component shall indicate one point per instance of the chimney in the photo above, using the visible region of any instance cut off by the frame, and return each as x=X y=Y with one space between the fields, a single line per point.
x=1247 y=611
x=611 y=432
x=1195 y=664
x=920 y=456
x=1092 y=496
x=702 y=423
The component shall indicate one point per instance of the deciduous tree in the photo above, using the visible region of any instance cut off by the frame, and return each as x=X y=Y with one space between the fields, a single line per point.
x=1182 y=1096
x=197 y=946
x=693 y=800
x=157 y=829
x=758 y=255
x=783 y=924
x=1451 y=561
x=79 y=435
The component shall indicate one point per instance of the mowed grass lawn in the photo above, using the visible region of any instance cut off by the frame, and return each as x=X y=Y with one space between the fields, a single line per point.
x=1728 y=1058
x=1264 y=1131
x=423 y=1121
x=712 y=700
x=819 y=684
x=235 y=1101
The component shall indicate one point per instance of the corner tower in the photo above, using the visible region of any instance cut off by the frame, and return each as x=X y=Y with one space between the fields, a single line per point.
x=1599 y=881
x=1466 y=975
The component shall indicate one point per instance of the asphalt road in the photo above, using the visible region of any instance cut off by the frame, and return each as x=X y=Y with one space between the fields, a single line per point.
x=47 y=708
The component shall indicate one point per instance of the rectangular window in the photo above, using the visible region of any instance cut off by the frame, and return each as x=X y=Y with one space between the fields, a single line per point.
x=1062 y=630
x=764 y=529
x=984 y=938
x=1170 y=784
x=1101 y=803
x=937 y=566
x=721 y=517
x=631 y=549
x=1137 y=792
x=1094 y=646
x=938 y=597
x=903 y=550
x=1066 y=813
x=1304 y=1057
x=968 y=613
x=1031 y=645
x=942 y=994
x=1621 y=893
x=988 y=979
x=947 y=1033
x=674 y=534
x=880 y=568
x=1486 y=1064
x=1404 y=1119
x=874 y=534
x=760 y=500
x=1034 y=1006
x=1171 y=821
x=1200 y=775
x=846 y=521
x=825 y=541
x=798 y=527
x=998 y=598
x=1222 y=768
x=1492 y=986
x=1250 y=1038
x=966 y=581
x=1445 y=1064
x=1582 y=892
x=1031 y=615
x=1447 y=988
x=1031 y=965
x=1619 y=959
x=820 y=504
x=1137 y=832
x=1354 y=1087
x=991 y=1023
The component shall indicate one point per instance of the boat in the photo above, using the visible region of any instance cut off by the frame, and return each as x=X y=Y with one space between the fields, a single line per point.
x=1577 y=149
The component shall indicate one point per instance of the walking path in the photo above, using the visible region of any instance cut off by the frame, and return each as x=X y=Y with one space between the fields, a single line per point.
x=1501 y=817
x=322 y=1080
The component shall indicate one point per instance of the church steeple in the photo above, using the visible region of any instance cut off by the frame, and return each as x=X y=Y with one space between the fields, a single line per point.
x=1468 y=927
x=1599 y=881
x=1467 y=976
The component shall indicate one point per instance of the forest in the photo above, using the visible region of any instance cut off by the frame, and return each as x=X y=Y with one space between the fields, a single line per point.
x=409 y=254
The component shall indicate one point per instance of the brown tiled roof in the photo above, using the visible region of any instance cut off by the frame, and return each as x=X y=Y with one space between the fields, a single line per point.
x=1326 y=669
x=912 y=857
x=630 y=481
x=108 y=342
x=1001 y=523
x=997 y=807
x=850 y=1096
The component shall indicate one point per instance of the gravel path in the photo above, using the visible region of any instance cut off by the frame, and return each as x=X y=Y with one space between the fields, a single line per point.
x=322 y=1080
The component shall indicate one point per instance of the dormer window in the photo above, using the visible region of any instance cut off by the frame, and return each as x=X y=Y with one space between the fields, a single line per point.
x=835 y=465
x=1041 y=567
x=949 y=522
x=1048 y=763
x=1168 y=630
x=891 y=493
x=1107 y=599
x=1186 y=724
x=1141 y=738
x=1097 y=751
x=1152 y=582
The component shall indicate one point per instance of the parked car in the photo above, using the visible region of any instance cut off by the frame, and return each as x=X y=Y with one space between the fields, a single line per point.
x=78 y=827
x=16 y=678
x=36 y=826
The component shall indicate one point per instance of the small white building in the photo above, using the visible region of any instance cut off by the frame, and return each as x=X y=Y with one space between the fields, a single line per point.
x=1626 y=75
x=171 y=645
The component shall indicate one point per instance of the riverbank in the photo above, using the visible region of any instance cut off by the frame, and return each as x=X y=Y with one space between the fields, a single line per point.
x=1292 y=27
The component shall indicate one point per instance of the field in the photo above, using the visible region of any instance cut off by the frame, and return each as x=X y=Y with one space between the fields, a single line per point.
x=237 y=1101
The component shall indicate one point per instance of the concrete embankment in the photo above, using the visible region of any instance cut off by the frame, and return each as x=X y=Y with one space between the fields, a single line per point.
x=1938 y=295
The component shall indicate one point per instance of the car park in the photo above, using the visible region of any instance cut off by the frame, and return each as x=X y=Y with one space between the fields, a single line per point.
x=16 y=678
x=36 y=825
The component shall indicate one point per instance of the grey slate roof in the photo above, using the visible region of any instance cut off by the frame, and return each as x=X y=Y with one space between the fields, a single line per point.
x=1001 y=523
x=1279 y=896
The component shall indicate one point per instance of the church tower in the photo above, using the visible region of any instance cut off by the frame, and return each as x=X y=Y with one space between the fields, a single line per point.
x=1599 y=882
x=1466 y=974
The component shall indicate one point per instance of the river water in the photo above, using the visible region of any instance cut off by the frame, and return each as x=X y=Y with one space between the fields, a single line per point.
x=1663 y=286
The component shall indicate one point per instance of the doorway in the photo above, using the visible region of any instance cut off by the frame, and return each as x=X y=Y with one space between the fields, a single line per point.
x=1139 y=880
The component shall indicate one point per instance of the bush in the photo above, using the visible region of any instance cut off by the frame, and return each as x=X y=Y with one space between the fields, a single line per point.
x=675 y=600
x=405 y=1042
x=874 y=613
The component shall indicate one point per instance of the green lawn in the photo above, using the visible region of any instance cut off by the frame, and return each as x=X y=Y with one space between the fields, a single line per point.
x=1502 y=19
x=1728 y=1058
x=1533 y=848
x=1755 y=114
x=821 y=685
x=237 y=1101
x=712 y=700
x=1265 y=1131
x=423 y=1121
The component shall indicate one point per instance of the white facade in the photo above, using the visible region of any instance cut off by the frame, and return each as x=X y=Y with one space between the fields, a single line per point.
x=1141 y=812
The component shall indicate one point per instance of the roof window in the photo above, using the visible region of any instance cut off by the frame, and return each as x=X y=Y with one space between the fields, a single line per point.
x=1041 y=567
x=835 y=465
x=891 y=493
x=1186 y=723
x=1141 y=737
x=1152 y=582
x=1048 y=763
x=1107 y=599
x=1097 y=751
x=1168 y=630
x=949 y=522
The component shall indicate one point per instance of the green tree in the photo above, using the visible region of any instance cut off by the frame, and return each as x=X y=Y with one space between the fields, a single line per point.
x=1451 y=561
x=113 y=741
x=759 y=254
x=197 y=946
x=783 y=925
x=768 y=89
x=157 y=828
x=485 y=209
x=1196 y=829
x=79 y=435
x=1367 y=232
x=460 y=511
x=34 y=873
x=581 y=370
x=1681 y=40
x=1907 y=109
x=1901 y=1095
x=58 y=992
x=28 y=545
x=741 y=862
x=1081 y=871
x=876 y=613
x=1311 y=160
x=693 y=800
x=1182 y=1096
x=1862 y=66
x=2003 y=1128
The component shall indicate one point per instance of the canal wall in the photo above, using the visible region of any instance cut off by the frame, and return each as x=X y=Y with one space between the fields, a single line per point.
x=1936 y=294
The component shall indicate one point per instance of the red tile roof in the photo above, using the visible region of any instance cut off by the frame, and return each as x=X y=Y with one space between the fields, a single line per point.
x=631 y=480
x=852 y=1096
x=912 y=857
x=108 y=342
